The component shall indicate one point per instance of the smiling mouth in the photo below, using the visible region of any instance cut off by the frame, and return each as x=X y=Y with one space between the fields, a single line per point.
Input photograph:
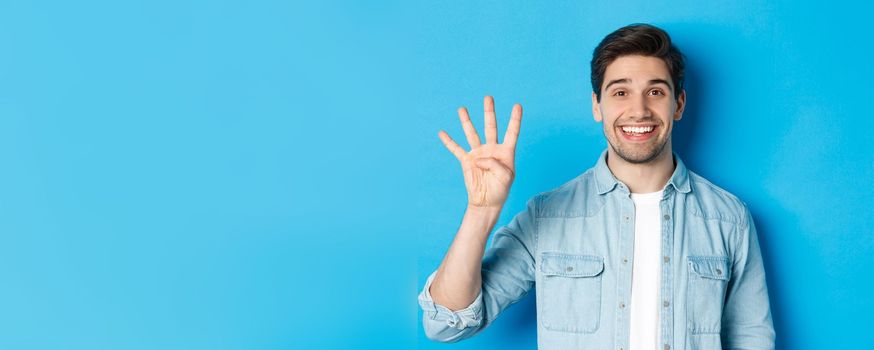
x=638 y=133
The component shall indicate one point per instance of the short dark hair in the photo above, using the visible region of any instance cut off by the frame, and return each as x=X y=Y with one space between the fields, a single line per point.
x=637 y=39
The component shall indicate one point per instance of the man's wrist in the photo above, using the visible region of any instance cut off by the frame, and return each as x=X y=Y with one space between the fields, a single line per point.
x=481 y=219
x=484 y=211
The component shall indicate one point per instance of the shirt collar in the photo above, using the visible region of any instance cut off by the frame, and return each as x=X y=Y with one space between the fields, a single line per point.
x=606 y=182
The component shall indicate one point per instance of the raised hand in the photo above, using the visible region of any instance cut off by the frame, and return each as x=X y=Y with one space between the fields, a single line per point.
x=488 y=168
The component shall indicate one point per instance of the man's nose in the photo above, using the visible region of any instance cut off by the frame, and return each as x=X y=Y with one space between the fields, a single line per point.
x=640 y=107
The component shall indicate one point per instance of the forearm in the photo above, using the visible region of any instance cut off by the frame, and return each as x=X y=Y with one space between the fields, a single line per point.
x=459 y=277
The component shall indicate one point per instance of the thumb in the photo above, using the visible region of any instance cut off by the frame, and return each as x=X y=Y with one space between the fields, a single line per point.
x=493 y=165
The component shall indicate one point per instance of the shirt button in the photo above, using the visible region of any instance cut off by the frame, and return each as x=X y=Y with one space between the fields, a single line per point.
x=667 y=217
x=624 y=260
x=667 y=347
x=718 y=272
x=666 y=303
x=621 y=305
x=570 y=268
x=667 y=259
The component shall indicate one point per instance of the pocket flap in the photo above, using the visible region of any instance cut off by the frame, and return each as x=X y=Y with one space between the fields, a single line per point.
x=713 y=267
x=571 y=265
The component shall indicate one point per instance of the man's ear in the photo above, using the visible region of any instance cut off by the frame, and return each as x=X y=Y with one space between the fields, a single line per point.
x=596 y=108
x=681 y=105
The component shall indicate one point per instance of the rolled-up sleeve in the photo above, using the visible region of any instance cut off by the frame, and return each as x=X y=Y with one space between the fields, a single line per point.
x=507 y=276
x=443 y=324
x=746 y=321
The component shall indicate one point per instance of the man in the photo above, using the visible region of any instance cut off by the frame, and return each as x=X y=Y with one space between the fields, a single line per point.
x=636 y=253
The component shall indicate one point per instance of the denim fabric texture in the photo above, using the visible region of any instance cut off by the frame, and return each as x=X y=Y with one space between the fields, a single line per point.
x=575 y=245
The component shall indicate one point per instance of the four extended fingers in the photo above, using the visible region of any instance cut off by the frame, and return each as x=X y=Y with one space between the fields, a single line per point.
x=491 y=126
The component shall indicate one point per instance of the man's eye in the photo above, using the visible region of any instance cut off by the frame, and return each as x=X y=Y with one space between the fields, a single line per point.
x=619 y=93
x=656 y=92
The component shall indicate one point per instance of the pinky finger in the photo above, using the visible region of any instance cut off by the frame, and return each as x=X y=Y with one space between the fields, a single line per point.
x=451 y=145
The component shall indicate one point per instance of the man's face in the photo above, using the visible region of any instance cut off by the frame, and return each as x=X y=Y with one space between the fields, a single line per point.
x=638 y=107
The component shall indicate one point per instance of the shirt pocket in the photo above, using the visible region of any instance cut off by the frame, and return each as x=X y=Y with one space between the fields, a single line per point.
x=570 y=292
x=705 y=292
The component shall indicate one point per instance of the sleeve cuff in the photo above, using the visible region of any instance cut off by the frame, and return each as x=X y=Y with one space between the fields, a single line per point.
x=471 y=316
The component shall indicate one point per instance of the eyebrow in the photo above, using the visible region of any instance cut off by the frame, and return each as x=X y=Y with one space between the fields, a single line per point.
x=659 y=81
x=617 y=81
x=626 y=80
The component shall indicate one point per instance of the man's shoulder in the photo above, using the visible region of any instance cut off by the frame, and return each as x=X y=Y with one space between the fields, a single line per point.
x=714 y=202
x=578 y=197
x=573 y=198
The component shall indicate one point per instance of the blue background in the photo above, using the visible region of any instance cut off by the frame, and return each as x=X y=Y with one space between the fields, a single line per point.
x=267 y=175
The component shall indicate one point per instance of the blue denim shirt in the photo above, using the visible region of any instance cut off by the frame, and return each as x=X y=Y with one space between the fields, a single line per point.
x=575 y=244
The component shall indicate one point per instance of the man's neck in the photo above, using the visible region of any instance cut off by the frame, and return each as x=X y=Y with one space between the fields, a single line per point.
x=643 y=178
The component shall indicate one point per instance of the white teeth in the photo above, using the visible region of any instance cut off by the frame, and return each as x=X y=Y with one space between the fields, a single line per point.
x=637 y=129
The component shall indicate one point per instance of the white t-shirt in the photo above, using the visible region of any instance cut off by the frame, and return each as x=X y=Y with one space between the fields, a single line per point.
x=646 y=272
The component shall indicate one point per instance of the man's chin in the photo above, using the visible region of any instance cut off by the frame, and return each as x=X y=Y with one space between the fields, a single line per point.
x=638 y=160
x=642 y=157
